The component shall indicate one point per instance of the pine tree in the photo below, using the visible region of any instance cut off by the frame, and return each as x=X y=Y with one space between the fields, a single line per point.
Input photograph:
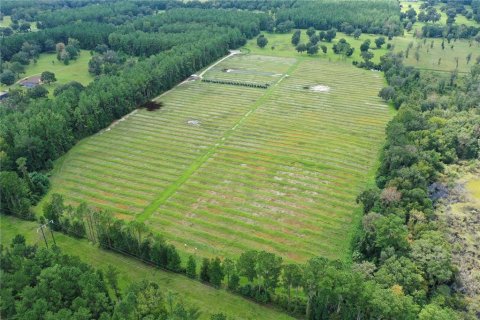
x=204 y=271
x=216 y=272
x=191 y=268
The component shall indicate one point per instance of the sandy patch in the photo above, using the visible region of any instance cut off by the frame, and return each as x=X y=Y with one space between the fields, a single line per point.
x=319 y=88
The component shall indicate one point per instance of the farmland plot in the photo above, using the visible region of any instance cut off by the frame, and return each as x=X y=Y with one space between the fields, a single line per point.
x=221 y=168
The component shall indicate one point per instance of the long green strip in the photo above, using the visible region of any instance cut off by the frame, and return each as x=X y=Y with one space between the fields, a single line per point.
x=171 y=189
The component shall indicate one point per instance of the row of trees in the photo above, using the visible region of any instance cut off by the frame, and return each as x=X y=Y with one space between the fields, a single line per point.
x=47 y=284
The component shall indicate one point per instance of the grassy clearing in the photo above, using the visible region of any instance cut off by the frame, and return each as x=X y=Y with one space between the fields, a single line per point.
x=284 y=48
x=77 y=70
x=221 y=168
x=6 y=21
x=459 y=19
x=429 y=56
x=209 y=300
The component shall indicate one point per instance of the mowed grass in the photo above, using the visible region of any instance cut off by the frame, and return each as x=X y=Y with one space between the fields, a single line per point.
x=208 y=299
x=76 y=70
x=220 y=169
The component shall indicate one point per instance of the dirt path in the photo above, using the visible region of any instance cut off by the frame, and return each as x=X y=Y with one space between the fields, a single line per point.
x=232 y=53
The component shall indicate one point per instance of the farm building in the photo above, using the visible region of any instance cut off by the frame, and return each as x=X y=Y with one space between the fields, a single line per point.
x=31 y=82
x=3 y=95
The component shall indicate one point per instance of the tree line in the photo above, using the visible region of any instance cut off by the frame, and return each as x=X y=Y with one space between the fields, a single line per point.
x=42 y=283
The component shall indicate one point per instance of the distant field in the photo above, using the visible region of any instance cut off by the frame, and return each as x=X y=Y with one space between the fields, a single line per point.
x=429 y=57
x=208 y=299
x=6 y=21
x=77 y=70
x=220 y=168
x=459 y=19
x=284 y=48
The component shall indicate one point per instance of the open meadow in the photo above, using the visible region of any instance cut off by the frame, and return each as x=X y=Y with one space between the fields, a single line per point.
x=223 y=168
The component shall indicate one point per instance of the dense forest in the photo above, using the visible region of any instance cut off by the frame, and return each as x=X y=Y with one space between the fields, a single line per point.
x=402 y=265
x=47 y=284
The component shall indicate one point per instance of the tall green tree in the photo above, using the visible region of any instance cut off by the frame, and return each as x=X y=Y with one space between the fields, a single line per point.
x=191 y=267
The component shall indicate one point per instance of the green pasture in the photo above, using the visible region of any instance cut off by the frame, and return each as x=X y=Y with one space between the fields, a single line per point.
x=208 y=299
x=220 y=168
x=438 y=59
x=282 y=47
x=76 y=70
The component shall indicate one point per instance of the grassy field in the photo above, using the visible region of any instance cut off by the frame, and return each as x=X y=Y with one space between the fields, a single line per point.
x=459 y=19
x=209 y=300
x=284 y=48
x=221 y=168
x=77 y=70
x=6 y=21
x=434 y=58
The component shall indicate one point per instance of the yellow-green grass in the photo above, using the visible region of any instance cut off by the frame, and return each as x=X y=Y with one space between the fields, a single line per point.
x=284 y=48
x=6 y=21
x=208 y=299
x=76 y=70
x=429 y=57
x=275 y=169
